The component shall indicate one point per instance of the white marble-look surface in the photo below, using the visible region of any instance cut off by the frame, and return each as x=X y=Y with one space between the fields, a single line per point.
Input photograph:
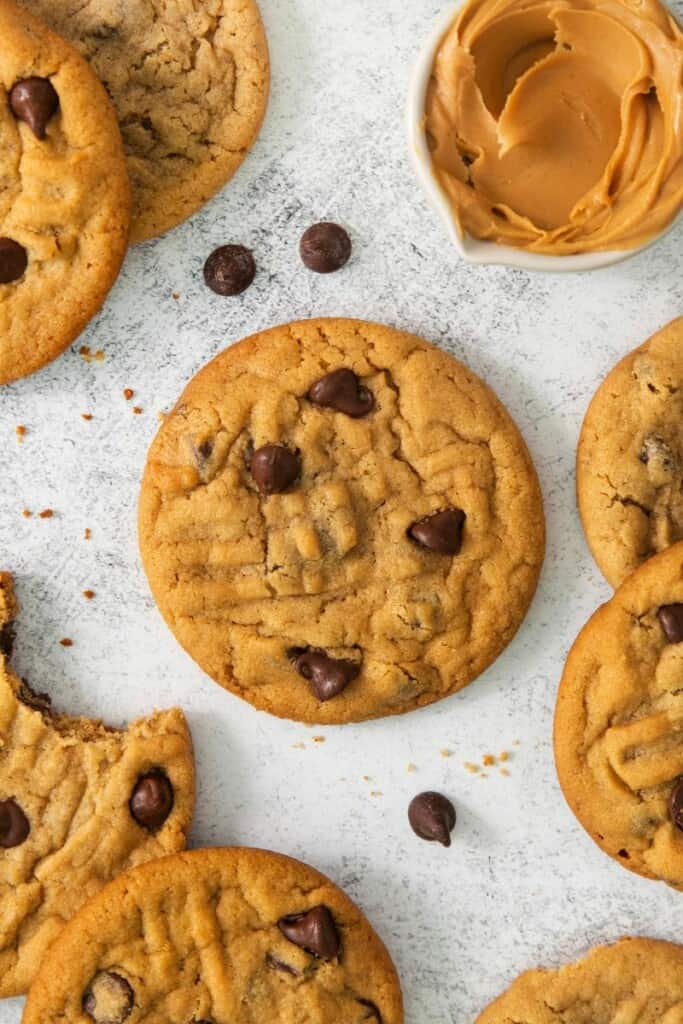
x=522 y=884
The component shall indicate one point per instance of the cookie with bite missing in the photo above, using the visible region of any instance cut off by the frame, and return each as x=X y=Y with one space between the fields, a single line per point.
x=339 y=521
x=79 y=803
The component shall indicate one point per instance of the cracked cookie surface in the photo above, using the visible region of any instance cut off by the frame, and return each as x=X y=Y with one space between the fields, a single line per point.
x=619 y=721
x=632 y=980
x=314 y=603
x=190 y=84
x=630 y=457
x=64 y=197
x=217 y=936
x=69 y=788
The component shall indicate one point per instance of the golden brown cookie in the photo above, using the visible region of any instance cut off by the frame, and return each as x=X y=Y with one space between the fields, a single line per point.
x=630 y=457
x=619 y=722
x=339 y=521
x=190 y=83
x=64 y=194
x=79 y=802
x=633 y=980
x=223 y=936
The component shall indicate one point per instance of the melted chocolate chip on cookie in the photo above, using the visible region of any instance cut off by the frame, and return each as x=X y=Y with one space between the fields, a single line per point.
x=275 y=468
x=314 y=931
x=108 y=998
x=152 y=800
x=441 y=532
x=328 y=676
x=671 y=620
x=13 y=261
x=432 y=817
x=34 y=101
x=343 y=391
x=325 y=247
x=230 y=269
x=14 y=825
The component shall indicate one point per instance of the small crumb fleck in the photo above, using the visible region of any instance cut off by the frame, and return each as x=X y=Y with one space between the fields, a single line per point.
x=20 y=431
x=47 y=513
x=472 y=768
x=446 y=752
x=365 y=778
x=318 y=739
x=128 y=394
x=66 y=642
x=298 y=746
x=411 y=767
x=515 y=743
x=88 y=594
x=376 y=792
x=504 y=771
x=87 y=533
x=484 y=775
x=27 y=513
x=487 y=760
x=504 y=756
x=99 y=355
x=84 y=351
x=137 y=410
x=175 y=295
x=87 y=416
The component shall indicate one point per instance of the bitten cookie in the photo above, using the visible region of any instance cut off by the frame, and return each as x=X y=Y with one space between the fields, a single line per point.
x=619 y=722
x=190 y=84
x=64 y=194
x=79 y=802
x=223 y=936
x=633 y=980
x=630 y=457
x=339 y=521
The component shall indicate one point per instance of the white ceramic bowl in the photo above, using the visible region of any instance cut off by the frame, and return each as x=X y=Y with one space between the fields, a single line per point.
x=472 y=249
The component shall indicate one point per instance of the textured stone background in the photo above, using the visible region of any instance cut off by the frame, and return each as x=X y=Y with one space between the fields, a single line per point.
x=521 y=884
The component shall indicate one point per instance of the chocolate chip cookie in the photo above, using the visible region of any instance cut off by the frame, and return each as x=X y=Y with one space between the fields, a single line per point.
x=630 y=457
x=223 y=936
x=339 y=521
x=633 y=980
x=64 y=194
x=619 y=722
x=79 y=802
x=190 y=83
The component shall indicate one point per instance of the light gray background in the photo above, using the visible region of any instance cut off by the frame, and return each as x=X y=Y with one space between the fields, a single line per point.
x=522 y=884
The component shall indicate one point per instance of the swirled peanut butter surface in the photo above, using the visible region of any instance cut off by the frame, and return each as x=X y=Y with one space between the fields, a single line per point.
x=558 y=126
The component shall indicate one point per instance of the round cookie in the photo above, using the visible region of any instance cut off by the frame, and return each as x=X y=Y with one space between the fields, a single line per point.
x=339 y=521
x=619 y=722
x=630 y=457
x=190 y=84
x=634 y=979
x=65 y=195
x=79 y=802
x=222 y=936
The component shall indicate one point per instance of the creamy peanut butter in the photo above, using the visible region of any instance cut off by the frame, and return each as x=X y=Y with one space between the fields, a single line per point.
x=558 y=126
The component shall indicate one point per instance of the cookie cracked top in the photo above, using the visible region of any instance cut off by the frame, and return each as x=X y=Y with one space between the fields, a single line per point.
x=339 y=521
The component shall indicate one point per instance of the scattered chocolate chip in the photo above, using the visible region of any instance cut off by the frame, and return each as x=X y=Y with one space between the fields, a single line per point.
x=152 y=800
x=441 y=532
x=275 y=468
x=676 y=805
x=372 y=1011
x=279 y=965
x=108 y=998
x=14 y=825
x=314 y=931
x=325 y=247
x=343 y=391
x=230 y=269
x=13 y=261
x=205 y=449
x=671 y=620
x=35 y=101
x=328 y=676
x=432 y=817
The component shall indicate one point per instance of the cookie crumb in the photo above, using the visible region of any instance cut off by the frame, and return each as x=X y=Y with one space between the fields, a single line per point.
x=20 y=431
x=505 y=772
x=87 y=416
x=84 y=351
x=66 y=642
x=376 y=792
x=88 y=594
x=175 y=295
x=504 y=756
x=137 y=410
x=446 y=752
x=298 y=746
x=27 y=513
x=318 y=739
x=365 y=778
x=472 y=768
x=411 y=767
x=99 y=355
x=488 y=760
x=87 y=533
x=515 y=743
x=47 y=513
x=128 y=394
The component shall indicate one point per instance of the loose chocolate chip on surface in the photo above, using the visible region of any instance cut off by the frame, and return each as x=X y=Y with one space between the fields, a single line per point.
x=328 y=676
x=230 y=269
x=372 y=1013
x=325 y=247
x=343 y=391
x=671 y=620
x=152 y=800
x=432 y=817
x=279 y=965
x=35 y=101
x=441 y=532
x=14 y=825
x=676 y=805
x=275 y=468
x=108 y=998
x=13 y=261
x=314 y=930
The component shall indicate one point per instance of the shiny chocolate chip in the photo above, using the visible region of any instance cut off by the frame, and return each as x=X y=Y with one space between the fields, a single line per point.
x=13 y=261
x=152 y=800
x=328 y=676
x=314 y=930
x=35 y=101
x=14 y=825
x=229 y=270
x=108 y=998
x=276 y=964
x=676 y=805
x=432 y=817
x=440 y=532
x=325 y=247
x=671 y=620
x=275 y=468
x=343 y=391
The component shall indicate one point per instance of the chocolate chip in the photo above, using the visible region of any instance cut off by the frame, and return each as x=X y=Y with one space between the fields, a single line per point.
x=325 y=247
x=13 y=261
x=108 y=998
x=14 y=825
x=275 y=468
x=328 y=676
x=34 y=101
x=279 y=965
x=432 y=817
x=441 y=532
x=671 y=620
x=372 y=1011
x=343 y=391
x=314 y=930
x=230 y=269
x=676 y=805
x=152 y=800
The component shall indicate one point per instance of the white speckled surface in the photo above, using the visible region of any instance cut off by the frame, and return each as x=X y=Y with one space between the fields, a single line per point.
x=521 y=884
